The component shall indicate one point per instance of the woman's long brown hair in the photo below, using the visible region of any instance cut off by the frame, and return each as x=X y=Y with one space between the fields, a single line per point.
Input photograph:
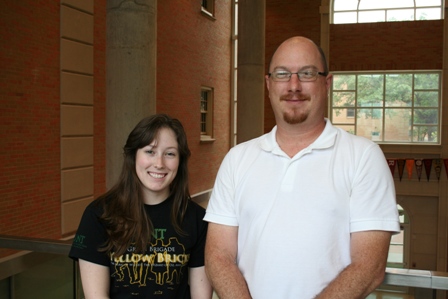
x=124 y=212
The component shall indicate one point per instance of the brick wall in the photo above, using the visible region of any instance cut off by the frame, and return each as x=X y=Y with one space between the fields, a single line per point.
x=194 y=50
x=99 y=156
x=30 y=175
x=386 y=46
x=284 y=19
x=29 y=122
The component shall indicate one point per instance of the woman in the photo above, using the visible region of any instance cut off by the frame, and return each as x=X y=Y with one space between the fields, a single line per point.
x=145 y=237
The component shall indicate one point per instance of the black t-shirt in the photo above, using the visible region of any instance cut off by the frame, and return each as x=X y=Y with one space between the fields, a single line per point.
x=162 y=272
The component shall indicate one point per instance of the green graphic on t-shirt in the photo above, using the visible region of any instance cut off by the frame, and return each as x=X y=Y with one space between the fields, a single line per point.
x=78 y=241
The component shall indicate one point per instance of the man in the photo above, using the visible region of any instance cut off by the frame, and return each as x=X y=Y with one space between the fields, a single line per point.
x=307 y=210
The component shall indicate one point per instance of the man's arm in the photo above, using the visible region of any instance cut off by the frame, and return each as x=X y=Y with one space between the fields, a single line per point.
x=366 y=272
x=220 y=262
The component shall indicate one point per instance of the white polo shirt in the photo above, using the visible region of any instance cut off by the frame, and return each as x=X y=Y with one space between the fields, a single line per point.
x=295 y=215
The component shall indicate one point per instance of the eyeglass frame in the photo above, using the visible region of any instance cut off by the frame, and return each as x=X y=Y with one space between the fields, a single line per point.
x=317 y=73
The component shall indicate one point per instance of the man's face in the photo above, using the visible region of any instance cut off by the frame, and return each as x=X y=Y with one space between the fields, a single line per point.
x=296 y=102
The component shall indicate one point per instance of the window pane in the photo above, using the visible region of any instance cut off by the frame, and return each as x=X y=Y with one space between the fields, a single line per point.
x=420 y=3
x=400 y=15
x=343 y=99
x=397 y=125
x=348 y=129
x=372 y=16
x=369 y=123
x=426 y=81
x=343 y=116
x=388 y=107
x=396 y=253
x=425 y=134
x=398 y=90
x=345 y=5
x=370 y=90
x=345 y=17
x=426 y=98
x=372 y=4
x=344 y=82
x=425 y=116
x=428 y=14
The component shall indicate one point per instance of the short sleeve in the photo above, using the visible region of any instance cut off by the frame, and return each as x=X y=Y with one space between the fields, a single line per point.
x=90 y=237
x=198 y=250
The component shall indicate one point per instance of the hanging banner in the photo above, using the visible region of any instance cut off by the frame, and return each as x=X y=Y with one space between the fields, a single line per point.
x=401 y=163
x=410 y=167
x=428 y=166
x=419 y=167
x=438 y=167
x=391 y=163
x=445 y=161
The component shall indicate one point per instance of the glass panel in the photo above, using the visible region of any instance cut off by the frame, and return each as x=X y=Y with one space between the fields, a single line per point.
x=398 y=90
x=345 y=5
x=372 y=16
x=426 y=99
x=344 y=82
x=420 y=3
x=52 y=279
x=369 y=123
x=425 y=134
x=397 y=125
x=372 y=4
x=396 y=249
x=428 y=14
x=400 y=15
x=426 y=81
x=425 y=117
x=343 y=116
x=345 y=17
x=236 y=19
x=370 y=90
x=349 y=129
x=235 y=54
x=343 y=99
x=4 y=288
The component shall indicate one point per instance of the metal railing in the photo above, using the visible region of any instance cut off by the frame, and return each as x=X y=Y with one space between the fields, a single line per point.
x=37 y=253
x=45 y=248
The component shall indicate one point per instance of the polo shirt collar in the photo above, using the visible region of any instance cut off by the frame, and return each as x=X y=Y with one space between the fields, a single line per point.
x=326 y=140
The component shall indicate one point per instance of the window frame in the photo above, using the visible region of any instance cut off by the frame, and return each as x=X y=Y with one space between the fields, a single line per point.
x=351 y=124
x=355 y=13
x=208 y=7
x=206 y=112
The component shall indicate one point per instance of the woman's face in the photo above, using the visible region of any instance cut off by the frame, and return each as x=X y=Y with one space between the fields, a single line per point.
x=156 y=166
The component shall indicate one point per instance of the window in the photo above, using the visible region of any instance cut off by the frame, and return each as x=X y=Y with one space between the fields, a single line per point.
x=206 y=113
x=208 y=7
x=367 y=11
x=397 y=251
x=388 y=107
x=350 y=112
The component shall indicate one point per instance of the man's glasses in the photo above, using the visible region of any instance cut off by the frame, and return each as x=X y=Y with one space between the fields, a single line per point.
x=305 y=76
